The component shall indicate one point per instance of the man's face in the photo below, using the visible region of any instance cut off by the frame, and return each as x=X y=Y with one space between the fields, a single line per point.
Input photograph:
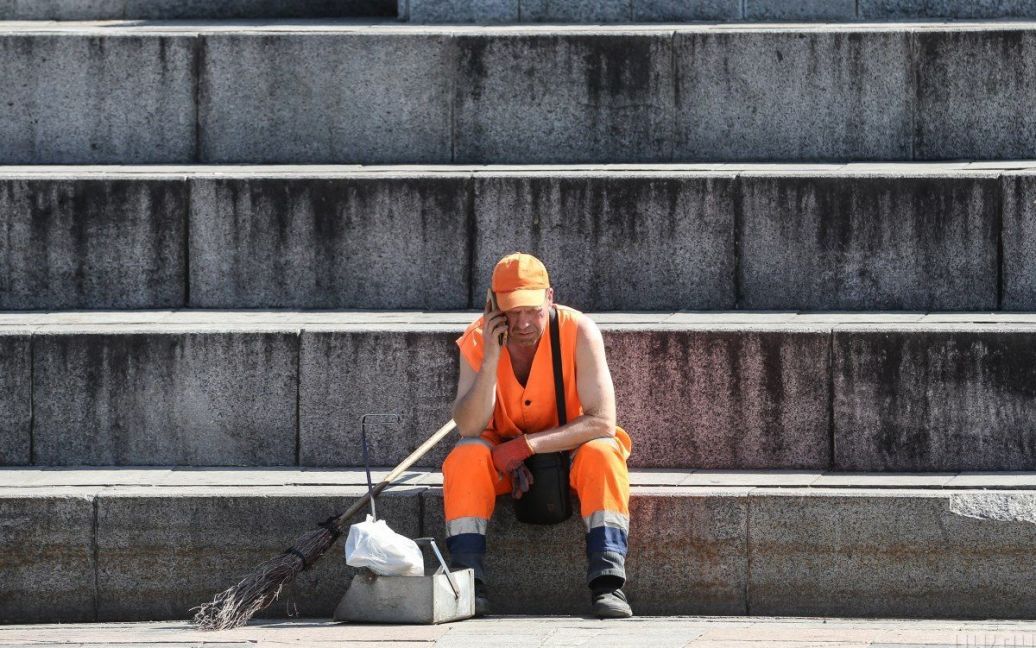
x=526 y=325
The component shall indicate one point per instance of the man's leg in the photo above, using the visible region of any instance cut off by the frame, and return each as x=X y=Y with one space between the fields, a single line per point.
x=601 y=479
x=470 y=486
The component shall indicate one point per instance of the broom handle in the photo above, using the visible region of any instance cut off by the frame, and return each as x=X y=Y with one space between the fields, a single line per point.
x=396 y=472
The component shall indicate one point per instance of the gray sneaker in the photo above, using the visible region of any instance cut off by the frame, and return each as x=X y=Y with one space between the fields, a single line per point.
x=611 y=604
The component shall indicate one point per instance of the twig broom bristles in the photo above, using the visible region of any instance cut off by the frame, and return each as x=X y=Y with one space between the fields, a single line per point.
x=233 y=607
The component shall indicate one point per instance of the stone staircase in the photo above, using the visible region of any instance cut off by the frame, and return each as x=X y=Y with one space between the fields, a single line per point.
x=229 y=229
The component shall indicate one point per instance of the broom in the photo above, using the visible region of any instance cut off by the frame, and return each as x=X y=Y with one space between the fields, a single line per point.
x=233 y=607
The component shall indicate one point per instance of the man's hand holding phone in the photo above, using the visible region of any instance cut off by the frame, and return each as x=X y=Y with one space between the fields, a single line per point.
x=494 y=326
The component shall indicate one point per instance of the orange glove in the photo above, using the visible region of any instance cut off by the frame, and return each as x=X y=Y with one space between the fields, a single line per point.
x=509 y=455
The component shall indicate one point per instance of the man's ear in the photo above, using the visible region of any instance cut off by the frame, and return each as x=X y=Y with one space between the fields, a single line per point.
x=550 y=296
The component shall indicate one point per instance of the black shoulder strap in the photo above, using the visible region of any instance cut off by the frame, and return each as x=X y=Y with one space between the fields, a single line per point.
x=555 y=356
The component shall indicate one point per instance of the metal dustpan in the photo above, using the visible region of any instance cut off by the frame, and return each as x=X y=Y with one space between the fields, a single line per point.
x=439 y=597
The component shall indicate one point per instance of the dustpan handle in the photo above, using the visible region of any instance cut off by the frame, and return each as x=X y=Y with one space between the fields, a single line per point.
x=442 y=564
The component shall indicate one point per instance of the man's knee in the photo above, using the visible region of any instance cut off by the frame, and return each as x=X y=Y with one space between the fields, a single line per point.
x=596 y=451
x=466 y=455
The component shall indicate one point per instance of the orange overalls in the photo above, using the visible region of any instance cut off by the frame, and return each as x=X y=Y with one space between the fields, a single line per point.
x=599 y=475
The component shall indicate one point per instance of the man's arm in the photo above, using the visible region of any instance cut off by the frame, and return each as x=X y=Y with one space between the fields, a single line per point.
x=476 y=397
x=476 y=390
x=596 y=393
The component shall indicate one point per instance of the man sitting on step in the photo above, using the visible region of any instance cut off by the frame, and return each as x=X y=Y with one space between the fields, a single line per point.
x=507 y=411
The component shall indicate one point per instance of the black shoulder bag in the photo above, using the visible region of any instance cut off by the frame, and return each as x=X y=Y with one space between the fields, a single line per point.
x=548 y=500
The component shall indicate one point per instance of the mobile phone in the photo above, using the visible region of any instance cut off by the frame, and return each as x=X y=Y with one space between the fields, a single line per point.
x=491 y=298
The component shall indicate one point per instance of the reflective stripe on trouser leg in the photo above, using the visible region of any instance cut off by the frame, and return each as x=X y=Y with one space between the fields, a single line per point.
x=606 y=544
x=601 y=479
x=470 y=487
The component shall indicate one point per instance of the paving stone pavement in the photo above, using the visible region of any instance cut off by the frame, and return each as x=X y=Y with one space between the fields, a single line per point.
x=546 y=631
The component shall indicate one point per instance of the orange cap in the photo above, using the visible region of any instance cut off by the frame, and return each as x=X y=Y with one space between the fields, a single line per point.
x=520 y=281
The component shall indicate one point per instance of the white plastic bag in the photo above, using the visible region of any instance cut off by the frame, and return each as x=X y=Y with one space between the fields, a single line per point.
x=377 y=547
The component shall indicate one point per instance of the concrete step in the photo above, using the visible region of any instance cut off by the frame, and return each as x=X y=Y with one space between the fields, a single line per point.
x=132 y=545
x=863 y=392
x=918 y=236
x=323 y=92
x=65 y=10
x=650 y=11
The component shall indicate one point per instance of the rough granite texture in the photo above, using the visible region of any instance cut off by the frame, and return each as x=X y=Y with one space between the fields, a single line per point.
x=869 y=243
x=15 y=405
x=188 y=9
x=954 y=9
x=834 y=10
x=975 y=94
x=677 y=10
x=345 y=375
x=335 y=243
x=1019 y=241
x=372 y=99
x=686 y=555
x=892 y=555
x=935 y=400
x=394 y=94
x=793 y=96
x=460 y=11
x=174 y=398
x=92 y=244
x=548 y=98
x=587 y=11
x=80 y=99
x=614 y=242
x=723 y=399
x=160 y=555
x=46 y=558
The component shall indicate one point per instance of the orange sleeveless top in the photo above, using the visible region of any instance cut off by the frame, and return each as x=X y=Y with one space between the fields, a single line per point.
x=532 y=408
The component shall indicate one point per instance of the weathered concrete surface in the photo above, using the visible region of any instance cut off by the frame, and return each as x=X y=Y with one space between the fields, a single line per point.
x=615 y=242
x=723 y=398
x=92 y=244
x=1019 y=241
x=15 y=398
x=903 y=236
x=960 y=554
x=160 y=554
x=938 y=398
x=183 y=9
x=956 y=9
x=335 y=243
x=346 y=374
x=708 y=399
x=793 y=95
x=957 y=115
x=530 y=97
x=800 y=9
x=46 y=557
x=639 y=11
x=388 y=93
x=93 y=98
x=687 y=553
x=823 y=242
x=695 y=390
x=677 y=10
x=154 y=397
x=373 y=98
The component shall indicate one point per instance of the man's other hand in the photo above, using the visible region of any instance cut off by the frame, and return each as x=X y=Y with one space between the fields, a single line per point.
x=521 y=480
